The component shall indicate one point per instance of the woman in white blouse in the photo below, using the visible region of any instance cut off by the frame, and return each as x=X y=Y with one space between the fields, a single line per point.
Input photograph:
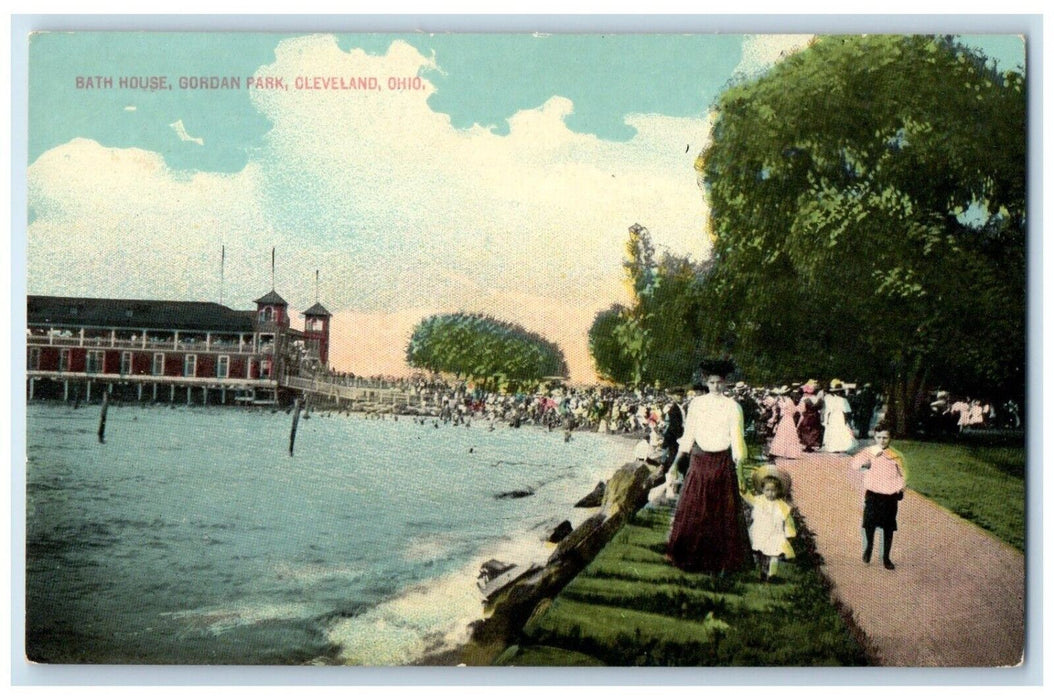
x=709 y=531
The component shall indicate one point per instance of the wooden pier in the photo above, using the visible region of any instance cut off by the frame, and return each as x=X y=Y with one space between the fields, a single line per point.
x=199 y=391
x=317 y=393
x=335 y=395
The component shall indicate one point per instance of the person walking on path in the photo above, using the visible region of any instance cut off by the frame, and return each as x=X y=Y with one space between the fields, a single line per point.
x=785 y=442
x=863 y=406
x=674 y=422
x=709 y=531
x=884 y=481
x=810 y=428
x=837 y=434
x=771 y=523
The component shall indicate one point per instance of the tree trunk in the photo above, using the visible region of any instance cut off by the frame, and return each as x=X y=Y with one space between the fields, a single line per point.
x=907 y=399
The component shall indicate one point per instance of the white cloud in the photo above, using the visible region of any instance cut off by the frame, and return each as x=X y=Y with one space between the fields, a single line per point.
x=181 y=132
x=762 y=51
x=399 y=209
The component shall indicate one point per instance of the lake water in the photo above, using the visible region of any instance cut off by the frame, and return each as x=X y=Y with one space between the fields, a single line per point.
x=191 y=536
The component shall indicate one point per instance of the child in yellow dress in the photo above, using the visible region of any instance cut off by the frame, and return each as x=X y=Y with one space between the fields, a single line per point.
x=772 y=525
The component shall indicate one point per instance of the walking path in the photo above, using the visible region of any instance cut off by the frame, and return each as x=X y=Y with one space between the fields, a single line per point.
x=957 y=596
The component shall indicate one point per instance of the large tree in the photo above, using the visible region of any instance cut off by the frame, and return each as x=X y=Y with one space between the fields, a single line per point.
x=867 y=203
x=475 y=346
x=656 y=340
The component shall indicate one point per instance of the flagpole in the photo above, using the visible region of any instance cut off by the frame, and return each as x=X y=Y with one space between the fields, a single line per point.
x=272 y=269
x=223 y=260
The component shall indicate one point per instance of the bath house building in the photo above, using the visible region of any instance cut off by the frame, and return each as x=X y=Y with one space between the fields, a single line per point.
x=149 y=350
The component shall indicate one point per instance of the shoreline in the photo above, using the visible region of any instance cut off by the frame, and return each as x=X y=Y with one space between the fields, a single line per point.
x=563 y=501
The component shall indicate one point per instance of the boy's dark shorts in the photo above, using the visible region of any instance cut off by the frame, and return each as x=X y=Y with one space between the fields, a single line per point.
x=880 y=510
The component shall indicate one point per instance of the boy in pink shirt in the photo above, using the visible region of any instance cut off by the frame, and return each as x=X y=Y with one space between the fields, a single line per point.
x=884 y=480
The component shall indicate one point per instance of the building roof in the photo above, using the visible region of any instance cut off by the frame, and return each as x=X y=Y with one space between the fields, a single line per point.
x=137 y=313
x=317 y=310
x=272 y=298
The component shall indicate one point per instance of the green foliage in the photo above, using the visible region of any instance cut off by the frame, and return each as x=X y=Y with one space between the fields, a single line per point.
x=630 y=608
x=612 y=358
x=982 y=484
x=656 y=340
x=867 y=199
x=483 y=348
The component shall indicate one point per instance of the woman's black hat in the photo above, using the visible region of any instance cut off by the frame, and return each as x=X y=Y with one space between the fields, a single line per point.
x=721 y=368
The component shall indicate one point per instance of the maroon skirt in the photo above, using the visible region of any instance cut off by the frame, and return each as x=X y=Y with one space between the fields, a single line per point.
x=810 y=428
x=709 y=531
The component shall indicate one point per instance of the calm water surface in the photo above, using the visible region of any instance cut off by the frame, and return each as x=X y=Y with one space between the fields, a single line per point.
x=192 y=536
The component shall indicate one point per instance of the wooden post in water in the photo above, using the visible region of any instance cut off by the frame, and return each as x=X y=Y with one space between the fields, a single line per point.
x=292 y=432
x=102 y=416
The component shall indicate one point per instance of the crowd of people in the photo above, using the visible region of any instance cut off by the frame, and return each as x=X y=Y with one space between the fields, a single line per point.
x=789 y=420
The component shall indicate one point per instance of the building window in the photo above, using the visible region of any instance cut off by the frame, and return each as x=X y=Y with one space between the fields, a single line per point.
x=265 y=368
x=190 y=366
x=223 y=366
x=34 y=358
x=159 y=364
x=267 y=314
x=126 y=363
x=64 y=360
x=96 y=362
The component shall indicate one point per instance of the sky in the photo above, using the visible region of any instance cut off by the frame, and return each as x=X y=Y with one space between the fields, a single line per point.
x=503 y=181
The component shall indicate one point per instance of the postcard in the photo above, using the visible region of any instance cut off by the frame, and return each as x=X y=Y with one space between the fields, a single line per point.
x=704 y=350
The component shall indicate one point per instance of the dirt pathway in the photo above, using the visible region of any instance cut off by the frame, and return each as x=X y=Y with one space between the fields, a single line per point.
x=957 y=596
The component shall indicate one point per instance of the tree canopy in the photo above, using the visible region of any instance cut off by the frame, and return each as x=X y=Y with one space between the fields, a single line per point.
x=657 y=339
x=482 y=348
x=867 y=207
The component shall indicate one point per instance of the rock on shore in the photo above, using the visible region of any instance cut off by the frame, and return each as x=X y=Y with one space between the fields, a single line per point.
x=512 y=596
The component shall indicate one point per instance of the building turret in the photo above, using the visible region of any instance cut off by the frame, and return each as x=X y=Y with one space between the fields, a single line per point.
x=316 y=333
x=272 y=309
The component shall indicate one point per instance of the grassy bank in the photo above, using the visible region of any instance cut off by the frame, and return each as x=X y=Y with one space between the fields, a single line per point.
x=630 y=608
x=985 y=485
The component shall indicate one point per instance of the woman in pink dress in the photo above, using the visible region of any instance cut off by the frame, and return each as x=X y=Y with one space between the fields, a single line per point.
x=785 y=442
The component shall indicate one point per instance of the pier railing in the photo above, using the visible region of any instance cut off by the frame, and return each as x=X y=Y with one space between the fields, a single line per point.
x=151 y=343
x=336 y=390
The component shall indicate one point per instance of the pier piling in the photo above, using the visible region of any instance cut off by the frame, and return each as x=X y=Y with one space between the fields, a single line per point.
x=102 y=416
x=292 y=432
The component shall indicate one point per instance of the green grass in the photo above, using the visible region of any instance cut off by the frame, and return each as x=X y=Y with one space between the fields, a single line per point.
x=630 y=608
x=984 y=485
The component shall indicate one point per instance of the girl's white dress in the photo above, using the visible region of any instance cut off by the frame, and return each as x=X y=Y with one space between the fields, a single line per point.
x=771 y=527
x=837 y=435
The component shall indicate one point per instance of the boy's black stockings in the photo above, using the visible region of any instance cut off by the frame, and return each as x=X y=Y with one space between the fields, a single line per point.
x=887 y=546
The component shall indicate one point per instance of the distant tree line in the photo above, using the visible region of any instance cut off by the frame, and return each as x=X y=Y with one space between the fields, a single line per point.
x=493 y=353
